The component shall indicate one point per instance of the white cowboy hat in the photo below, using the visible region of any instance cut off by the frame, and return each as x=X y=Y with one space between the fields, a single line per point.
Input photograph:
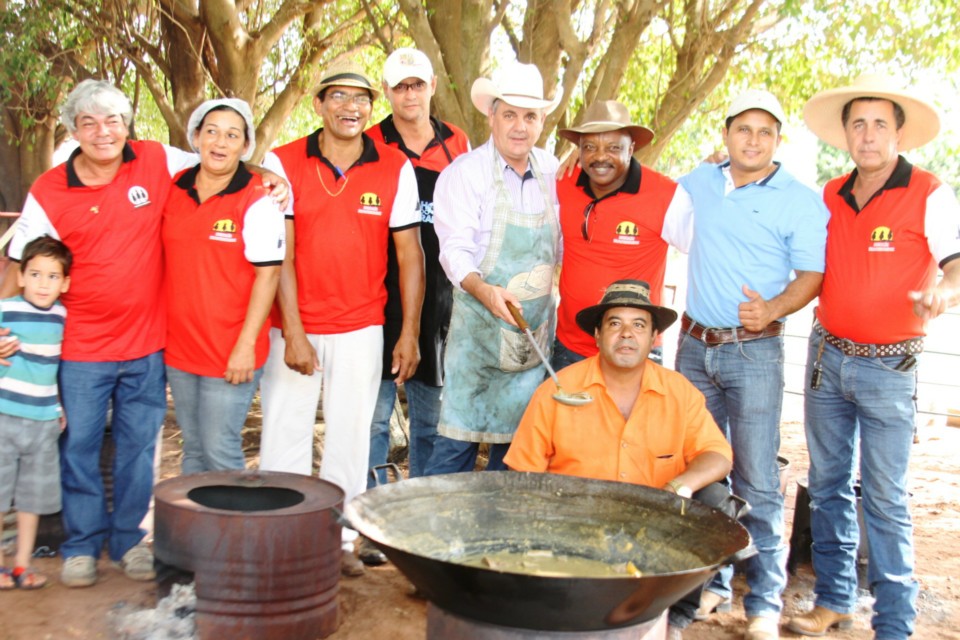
x=520 y=85
x=822 y=113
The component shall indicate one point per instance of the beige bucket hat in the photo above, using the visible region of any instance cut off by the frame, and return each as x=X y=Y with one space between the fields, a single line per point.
x=518 y=84
x=822 y=112
x=608 y=115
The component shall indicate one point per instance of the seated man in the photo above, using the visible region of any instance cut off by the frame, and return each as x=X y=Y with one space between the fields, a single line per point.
x=647 y=425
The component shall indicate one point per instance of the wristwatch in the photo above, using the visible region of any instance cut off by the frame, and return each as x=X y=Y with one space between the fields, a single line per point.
x=680 y=489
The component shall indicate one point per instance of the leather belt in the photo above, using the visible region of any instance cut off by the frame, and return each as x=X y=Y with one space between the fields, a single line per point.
x=712 y=336
x=908 y=347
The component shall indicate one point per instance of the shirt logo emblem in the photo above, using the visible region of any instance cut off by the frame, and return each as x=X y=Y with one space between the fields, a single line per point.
x=881 y=239
x=626 y=233
x=224 y=230
x=138 y=196
x=426 y=212
x=370 y=204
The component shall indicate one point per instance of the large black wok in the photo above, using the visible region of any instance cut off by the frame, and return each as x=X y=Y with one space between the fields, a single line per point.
x=425 y=525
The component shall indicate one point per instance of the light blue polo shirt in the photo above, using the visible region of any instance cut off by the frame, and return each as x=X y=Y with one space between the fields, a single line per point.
x=754 y=235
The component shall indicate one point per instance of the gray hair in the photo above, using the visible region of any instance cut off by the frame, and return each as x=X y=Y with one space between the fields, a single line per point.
x=98 y=97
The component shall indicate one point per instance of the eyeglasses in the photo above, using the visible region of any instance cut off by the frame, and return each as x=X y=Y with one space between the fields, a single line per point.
x=403 y=87
x=359 y=99
x=585 y=229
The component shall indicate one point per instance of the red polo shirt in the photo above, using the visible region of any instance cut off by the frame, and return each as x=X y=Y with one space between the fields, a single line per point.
x=212 y=250
x=876 y=254
x=116 y=302
x=341 y=224
x=626 y=241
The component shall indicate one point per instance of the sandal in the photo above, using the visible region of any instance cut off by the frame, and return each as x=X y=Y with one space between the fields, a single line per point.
x=6 y=580
x=30 y=579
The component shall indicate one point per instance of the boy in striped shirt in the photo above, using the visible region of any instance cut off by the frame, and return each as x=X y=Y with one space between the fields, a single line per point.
x=31 y=418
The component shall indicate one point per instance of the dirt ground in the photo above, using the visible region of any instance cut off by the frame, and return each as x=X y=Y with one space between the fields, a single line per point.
x=379 y=604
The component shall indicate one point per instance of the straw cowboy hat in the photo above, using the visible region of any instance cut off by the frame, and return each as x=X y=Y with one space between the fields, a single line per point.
x=347 y=74
x=626 y=293
x=822 y=113
x=608 y=115
x=518 y=84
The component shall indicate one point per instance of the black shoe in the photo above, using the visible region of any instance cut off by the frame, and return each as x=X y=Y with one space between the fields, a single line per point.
x=369 y=554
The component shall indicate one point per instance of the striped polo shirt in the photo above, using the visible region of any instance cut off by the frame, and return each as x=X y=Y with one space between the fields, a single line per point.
x=28 y=387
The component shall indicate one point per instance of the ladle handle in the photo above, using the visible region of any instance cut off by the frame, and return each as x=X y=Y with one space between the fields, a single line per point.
x=521 y=322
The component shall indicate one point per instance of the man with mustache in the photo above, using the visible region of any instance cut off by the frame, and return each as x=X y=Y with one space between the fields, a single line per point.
x=617 y=219
x=754 y=225
x=646 y=425
x=496 y=220
x=892 y=225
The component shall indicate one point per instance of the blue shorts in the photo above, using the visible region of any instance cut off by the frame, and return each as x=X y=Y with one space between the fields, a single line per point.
x=29 y=465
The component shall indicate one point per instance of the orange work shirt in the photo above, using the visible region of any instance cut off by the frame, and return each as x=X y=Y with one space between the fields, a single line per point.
x=668 y=427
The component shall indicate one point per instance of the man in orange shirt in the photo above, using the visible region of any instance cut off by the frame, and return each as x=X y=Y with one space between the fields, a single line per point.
x=647 y=424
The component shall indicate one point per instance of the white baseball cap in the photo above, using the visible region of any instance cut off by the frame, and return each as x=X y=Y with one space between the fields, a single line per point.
x=757 y=99
x=406 y=63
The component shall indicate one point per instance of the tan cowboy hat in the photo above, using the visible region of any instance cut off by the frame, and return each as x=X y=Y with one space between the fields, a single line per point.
x=822 y=113
x=608 y=115
x=518 y=84
x=346 y=74
x=625 y=293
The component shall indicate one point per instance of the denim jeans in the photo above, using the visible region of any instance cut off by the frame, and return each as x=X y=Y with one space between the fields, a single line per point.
x=423 y=404
x=862 y=399
x=138 y=390
x=211 y=413
x=743 y=385
x=458 y=456
x=717 y=496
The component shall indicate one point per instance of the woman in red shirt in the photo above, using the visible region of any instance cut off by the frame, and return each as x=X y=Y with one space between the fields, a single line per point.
x=224 y=244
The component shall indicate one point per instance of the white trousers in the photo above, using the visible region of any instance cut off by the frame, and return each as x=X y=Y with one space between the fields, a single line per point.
x=349 y=379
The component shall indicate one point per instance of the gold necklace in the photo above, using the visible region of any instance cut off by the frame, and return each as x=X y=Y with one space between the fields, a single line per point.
x=346 y=179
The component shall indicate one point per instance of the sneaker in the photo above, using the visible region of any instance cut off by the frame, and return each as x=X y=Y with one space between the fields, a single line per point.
x=137 y=563
x=79 y=571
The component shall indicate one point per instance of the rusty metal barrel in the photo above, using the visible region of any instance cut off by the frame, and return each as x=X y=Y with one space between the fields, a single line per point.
x=264 y=548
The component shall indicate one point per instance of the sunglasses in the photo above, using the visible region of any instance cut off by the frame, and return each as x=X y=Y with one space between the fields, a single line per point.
x=585 y=228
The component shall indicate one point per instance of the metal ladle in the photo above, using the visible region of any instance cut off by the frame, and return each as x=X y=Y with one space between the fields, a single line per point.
x=577 y=399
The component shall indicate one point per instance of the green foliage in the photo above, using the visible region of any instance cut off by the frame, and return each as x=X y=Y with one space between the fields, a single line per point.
x=808 y=46
x=37 y=45
x=798 y=47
